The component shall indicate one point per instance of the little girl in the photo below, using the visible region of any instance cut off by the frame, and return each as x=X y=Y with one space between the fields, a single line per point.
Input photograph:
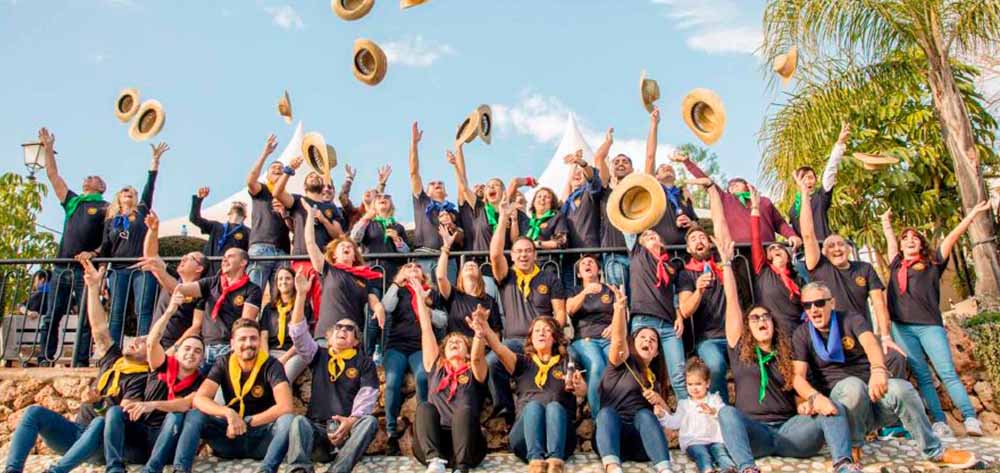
x=696 y=421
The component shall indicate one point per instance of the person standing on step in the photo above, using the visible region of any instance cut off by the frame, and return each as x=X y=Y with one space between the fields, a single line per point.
x=679 y=215
x=268 y=231
x=821 y=200
x=591 y=308
x=583 y=224
x=429 y=203
x=615 y=264
x=778 y=283
x=221 y=235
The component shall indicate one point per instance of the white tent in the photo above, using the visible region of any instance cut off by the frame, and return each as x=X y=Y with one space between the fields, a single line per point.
x=219 y=210
x=556 y=172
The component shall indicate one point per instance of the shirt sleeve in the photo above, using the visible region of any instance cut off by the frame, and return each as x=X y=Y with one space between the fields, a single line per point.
x=148 y=189
x=254 y=295
x=558 y=292
x=218 y=371
x=800 y=343
x=302 y=341
x=391 y=298
x=672 y=420
x=857 y=324
x=276 y=374
x=685 y=282
x=69 y=195
x=364 y=401
x=874 y=282
x=832 y=164
x=205 y=286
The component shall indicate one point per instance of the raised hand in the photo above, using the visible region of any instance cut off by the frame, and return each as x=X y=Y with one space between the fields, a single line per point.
x=447 y=238
x=383 y=174
x=349 y=172
x=303 y=281
x=48 y=139
x=416 y=134
x=621 y=302
x=91 y=275
x=277 y=207
x=159 y=149
x=574 y=157
x=754 y=197
x=887 y=216
x=176 y=301
x=296 y=162
x=202 y=192
x=448 y=155
x=654 y=116
x=676 y=155
x=800 y=181
x=270 y=145
x=609 y=136
x=845 y=133
x=593 y=288
x=152 y=221
x=979 y=208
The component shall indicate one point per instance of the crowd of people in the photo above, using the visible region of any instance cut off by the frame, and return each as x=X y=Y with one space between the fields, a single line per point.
x=545 y=342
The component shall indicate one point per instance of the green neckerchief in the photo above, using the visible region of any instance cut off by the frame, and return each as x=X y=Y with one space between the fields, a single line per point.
x=762 y=361
x=797 y=206
x=385 y=222
x=73 y=202
x=535 y=224
x=743 y=196
x=491 y=215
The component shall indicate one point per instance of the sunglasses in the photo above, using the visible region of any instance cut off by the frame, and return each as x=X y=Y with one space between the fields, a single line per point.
x=345 y=327
x=819 y=303
x=761 y=317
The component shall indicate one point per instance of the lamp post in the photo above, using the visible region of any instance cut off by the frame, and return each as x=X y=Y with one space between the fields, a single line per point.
x=34 y=159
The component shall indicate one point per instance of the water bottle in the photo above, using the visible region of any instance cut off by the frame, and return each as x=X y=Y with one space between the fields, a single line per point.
x=377 y=356
x=184 y=230
x=568 y=380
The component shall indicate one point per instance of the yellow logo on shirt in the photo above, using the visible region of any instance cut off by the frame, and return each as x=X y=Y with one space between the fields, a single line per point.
x=557 y=374
x=605 y=298
x=188 y=300
x=238 y=301
x=919 y=267
x=463 y=379
x=359 y=282
x=131 y=218
x=543 y=225
x=92 y=211
x=861 y=281
x=543 y=289
x=238 y=236
x=848 y=343
x=257 y=391
x=328 y=213
x=351 y=372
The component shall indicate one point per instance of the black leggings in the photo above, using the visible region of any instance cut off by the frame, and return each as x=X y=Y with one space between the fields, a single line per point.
x=462 y=445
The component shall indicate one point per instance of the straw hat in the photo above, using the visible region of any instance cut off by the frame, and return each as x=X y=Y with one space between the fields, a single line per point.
x=637 y=203
x=468 y=129
x=351 y=9
x=784 y=64
x=875 y=162
x=649 y=90
x=285 y=108
x=126 y=104
x=318 y=155
x=704 y=114
x=370 y=63
x=484 y=122
x=404 y=4
x=149 y=120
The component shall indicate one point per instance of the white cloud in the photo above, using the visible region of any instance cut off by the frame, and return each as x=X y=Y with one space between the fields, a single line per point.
x=416 y=51
x=714 y=26
x=741 y=39
x=285 y=17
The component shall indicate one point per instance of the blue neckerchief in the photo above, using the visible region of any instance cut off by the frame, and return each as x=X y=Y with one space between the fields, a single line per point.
x=674 y=196
x=569 y=205
x=436 y=206
x=121 y=223
x=226 y=233
x=43 y=288
x=833 y=349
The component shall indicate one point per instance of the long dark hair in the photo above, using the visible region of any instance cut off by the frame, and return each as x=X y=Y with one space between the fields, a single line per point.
x=658 y=365
x=925 y=247
x=779 y=341
x=275 y=293
x=558 y=339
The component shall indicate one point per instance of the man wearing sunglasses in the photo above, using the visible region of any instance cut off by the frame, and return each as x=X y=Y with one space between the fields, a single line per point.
x=221 y=235
x=842 y=356
x=428 y=204
x=338 y=425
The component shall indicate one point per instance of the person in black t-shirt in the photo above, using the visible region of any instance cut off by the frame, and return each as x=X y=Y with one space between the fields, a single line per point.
x=480 y=214
x=543 y=434
x=626 y=427
x=615 y=264
x=590 y=307
x=132 y=430
x=276 y=317
x=124 y=236
x=122 y=375
x=446 y=426
x=430 y=205
x=256 y=415
x=379 y=232
x=583 y=225
x=221 y=235
x=914 y=298
x=679 y=215
x=821 y=200
x=82 y=232
x=777 y=280
x=839 y=352
x=468 y=292
x=268 y=230
x=344 y=394
x=544 y=223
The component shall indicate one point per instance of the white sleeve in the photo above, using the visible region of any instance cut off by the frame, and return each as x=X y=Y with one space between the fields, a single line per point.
x=830 y=172
x=672 y=421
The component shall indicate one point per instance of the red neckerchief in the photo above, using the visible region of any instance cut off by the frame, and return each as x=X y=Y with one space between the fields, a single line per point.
x=699 y=266
x=169 y=378
x=450 y=380
x=786 y=279
x=363 y=272
x=414 y=300
x=901 y=278
x=227 y=289
x=662 y=274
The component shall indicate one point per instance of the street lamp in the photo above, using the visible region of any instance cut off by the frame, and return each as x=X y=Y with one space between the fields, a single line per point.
x=34 y=159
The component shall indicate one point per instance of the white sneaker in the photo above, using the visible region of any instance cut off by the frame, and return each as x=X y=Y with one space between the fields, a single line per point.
x=973 y=428
x=942 y=431
x=436 y=465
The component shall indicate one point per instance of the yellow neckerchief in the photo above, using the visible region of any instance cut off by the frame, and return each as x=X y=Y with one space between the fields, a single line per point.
x=270 y=187
x=337 y=358
x=121 y=366
x=649 y=377
x=543 y=369
x=524 y=280
x=234 y=377
x=283 y=310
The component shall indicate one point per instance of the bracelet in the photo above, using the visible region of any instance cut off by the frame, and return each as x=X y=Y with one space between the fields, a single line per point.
x=812 y=397
x=726 y=264
x=288 y=170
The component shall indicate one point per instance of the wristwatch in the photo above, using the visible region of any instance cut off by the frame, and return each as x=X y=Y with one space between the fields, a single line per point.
x=288 y=170
x=246 y=420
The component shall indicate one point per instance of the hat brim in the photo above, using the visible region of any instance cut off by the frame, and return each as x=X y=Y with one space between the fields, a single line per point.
x=484 y=123
x=875 y=162
x=704 y=98
x=130 y=108
x=404 y=4
x=320 y=160
x=353 y=13
x=640 y=187
x=369 y=62
x=468 y=129
x=142 y=115
x=650 y=95
x=285 y=108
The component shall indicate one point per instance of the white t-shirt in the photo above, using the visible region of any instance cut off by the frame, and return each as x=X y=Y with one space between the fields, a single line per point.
x=695 y=427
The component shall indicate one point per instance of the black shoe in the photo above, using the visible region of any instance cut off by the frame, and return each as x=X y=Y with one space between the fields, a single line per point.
x=392 y=447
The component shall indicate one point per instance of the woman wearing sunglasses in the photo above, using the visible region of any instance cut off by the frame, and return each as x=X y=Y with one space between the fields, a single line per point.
x=778 y=284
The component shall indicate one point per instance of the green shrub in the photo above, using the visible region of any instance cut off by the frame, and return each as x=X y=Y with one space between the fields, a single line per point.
x=180 y=245
x=984 y=328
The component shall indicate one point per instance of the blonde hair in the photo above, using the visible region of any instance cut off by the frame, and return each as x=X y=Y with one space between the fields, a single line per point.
x=477 y=291
x=444 y=343
x=115 y=207
x=330 y=252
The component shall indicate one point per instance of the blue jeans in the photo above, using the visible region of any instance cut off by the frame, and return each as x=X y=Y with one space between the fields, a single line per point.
x=798 y=437
x=268 y=443
x=307 y=442
x=166 y=443
x=593 y=356
x=713 y=353
x=639 y=440
x=130 y=284
x=499 y=380
x=672 y=348
x=213 y=353
x=65 y=289
x=931 y=341
x=542 y=431
x=260 y=271
x=900 y=403
x=125 y=441
x=396 y=364
x=616 y=269
x=709 y=456
x=75 y=443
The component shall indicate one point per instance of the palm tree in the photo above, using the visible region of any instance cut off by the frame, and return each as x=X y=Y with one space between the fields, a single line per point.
x=868 y=32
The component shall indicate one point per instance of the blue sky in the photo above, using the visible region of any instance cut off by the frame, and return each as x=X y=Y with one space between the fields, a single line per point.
x=218 y=67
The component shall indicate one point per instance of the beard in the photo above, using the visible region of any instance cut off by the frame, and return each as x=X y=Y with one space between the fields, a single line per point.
x=314 y=188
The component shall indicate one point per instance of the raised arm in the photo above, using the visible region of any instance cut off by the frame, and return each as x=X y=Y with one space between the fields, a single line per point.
x=479 y=323
x=48 y=141
x=601 y=157
x=441 y=271
x=151 y=244
x=303 y=342
x=757 y=256
x=949 y=241
x=734 y=314
x=155 y=355
x=836 y=155
x=253 y=184
x=618 y=350
x=96 y=315
x=457 y=160
x=344 y=197
x=428 y=341
x=654 y=123
x=416 y=183
x=316 y=256
x=195 y=216
x=892 y=245
x=154 y=168
x=280 y=193
x=498 y=261
x=809 y=242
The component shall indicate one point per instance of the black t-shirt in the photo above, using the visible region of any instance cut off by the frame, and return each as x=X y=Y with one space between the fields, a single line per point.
x=919 y=304
x=583 y=222
x=611 y=237
x=710 y=317
x=819 y=202
x=336 y=397
x=425 y=232
x=236 y=235
x=299 y=217
x=849 y=286
x=774 y=296
x=518 y=311
x=667 y=226
x=156 y=390
x=825 y=375
x=269 y=321
x=130 y=386
x=478 y=231
x=374 y=239
x=124 y=237
x=84 y=229
x=460 y=305
x=778 y=405
x=619 y=389
x=554 y=389
x=261 y=395
x=216 y=330
x=267 y=226
x=555 y=225
x=595 y=314
x=180 y=321
x=646 y=298
x=468 y=393
x=344 y=296
x=403 y=324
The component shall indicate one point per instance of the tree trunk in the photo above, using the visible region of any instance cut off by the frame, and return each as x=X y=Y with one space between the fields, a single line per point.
x=956 y=129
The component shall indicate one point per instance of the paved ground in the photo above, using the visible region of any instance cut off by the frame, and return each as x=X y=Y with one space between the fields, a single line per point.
x=889 y=457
